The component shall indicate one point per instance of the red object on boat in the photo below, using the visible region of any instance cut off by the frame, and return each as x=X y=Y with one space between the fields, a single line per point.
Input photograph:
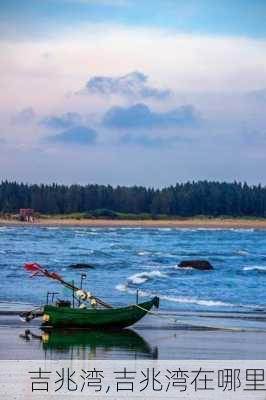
x=32 y=267
x=37 y=268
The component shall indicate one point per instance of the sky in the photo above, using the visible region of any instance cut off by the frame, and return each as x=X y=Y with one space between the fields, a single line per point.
x=127 y=92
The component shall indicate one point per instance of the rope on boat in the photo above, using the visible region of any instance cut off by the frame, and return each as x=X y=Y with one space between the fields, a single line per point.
x=176 y=321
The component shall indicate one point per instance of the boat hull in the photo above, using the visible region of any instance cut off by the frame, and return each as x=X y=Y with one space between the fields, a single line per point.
x=114 y=318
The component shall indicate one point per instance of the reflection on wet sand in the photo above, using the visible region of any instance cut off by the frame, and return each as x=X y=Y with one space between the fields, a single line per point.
x=81 y=344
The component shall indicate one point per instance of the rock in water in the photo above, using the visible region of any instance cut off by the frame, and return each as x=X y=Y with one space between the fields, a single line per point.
x=81 y=265
x=201 y=265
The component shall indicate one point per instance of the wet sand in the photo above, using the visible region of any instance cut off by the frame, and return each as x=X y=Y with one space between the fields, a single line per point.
x=147 y=340
x=174 y=223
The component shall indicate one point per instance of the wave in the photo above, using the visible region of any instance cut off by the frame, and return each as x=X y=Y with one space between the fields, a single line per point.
x=177 y=299
x=210 y=229
x=242 y=230
x=216 y=229
x=176 y=266
x=123 y=288
x=144 y=253
x=131 y=228
x=200 y=302
x=84 y=234
x=247 y=253
x=142 y=277
x=258 y=268
x=243 y=253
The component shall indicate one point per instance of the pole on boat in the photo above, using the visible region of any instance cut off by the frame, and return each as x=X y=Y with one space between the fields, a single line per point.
x=82 y=276
x=48 y=296
x=137 y=296
x=73 y=294
x=37 y=269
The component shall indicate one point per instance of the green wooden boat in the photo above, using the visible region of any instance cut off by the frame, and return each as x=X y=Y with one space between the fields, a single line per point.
x=111 y=318
x=62 y=315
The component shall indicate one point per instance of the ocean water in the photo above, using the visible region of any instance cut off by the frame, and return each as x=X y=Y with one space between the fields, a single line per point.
x=144 y=259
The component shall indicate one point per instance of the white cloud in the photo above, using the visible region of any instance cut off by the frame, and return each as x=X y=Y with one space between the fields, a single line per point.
x=211 y=73
x=180 y=62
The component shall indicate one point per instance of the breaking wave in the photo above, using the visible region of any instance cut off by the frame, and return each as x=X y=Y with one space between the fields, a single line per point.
x=144 y=253
x=177 y=299
x=142 y=277
x=243 y=253
x=86 y=233
x=242 y=230
x=176 y=266
x=257 y=268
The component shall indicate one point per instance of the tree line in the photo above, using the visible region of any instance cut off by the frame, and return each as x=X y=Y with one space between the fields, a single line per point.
x=183 y=199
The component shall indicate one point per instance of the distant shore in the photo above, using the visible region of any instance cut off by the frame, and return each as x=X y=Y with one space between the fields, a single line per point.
x=163 y=223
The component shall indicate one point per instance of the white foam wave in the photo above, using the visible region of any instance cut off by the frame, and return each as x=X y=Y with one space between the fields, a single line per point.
x=255 y=268
x=200 y=302
x=122 y=288
x=176 y=266
x=243 y=253
x=165 y=255
x=83 y=234
x=210 y=229
x=177 y=299
x=131 y=228
x=143 y=253
x=142 y=277
x=242 y=230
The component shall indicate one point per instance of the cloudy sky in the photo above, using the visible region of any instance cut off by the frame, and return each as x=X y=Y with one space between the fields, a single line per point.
x=132 y=92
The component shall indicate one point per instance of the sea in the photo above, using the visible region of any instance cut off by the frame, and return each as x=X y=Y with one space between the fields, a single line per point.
x=131 y=260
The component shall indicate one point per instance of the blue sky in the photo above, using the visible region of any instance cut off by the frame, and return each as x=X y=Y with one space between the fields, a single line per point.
x=215 y=17
x=132 y=92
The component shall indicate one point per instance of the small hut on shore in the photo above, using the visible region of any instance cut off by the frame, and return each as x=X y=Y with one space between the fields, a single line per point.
x=26 y=214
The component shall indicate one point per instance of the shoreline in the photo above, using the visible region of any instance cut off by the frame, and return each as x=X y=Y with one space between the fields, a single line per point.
x=145 y=340
x=171 y=223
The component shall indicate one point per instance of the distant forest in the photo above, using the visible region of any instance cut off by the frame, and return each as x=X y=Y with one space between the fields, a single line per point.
x=184 y=199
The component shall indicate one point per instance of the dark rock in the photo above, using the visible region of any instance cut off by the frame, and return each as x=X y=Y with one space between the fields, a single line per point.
x=81 y=265
x=201 y=265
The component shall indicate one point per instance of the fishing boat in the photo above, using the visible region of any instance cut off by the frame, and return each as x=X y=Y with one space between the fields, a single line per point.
x=91 y=312
x=111 y=318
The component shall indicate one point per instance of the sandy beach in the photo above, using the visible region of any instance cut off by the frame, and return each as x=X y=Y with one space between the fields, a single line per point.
x=174 y=223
